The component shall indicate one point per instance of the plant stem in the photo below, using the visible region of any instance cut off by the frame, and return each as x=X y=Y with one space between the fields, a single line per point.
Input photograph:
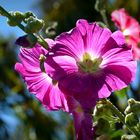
x=104 y=17
x=122 y=118
x=44 y=43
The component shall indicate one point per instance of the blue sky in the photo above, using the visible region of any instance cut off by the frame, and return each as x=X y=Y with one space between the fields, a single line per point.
x=17 y=5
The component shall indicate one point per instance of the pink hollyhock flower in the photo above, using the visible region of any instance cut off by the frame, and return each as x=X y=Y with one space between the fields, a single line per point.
x=90 y=63
x=38 y=82
x=130 y=28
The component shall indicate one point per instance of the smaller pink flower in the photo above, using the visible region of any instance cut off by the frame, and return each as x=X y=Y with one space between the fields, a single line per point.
x=38 y=82
x=89 y=62
x=130 y=28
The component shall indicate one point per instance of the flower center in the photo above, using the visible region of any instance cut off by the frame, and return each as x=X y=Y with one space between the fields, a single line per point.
x=89 y=65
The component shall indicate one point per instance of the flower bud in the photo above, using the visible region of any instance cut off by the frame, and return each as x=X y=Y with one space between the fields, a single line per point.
x=33 y=25
x=131 y=101
x=131 y=119
x=17 y=18
x=102 y=126
x=28 y=40
x=128 y=110
x=102 y=109
x=29 y=14
x=99 y=110
x=11 y=22
x=133 y=106
x=128 y=137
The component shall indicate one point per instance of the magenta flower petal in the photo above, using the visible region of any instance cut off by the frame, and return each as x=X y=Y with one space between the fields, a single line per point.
x=66 y=44
x=117 y=80
x=30 y=57
x=94 y=37
x=81 y=39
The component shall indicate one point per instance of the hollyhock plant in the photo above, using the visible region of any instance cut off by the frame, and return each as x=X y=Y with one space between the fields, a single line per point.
x=80 y=66
x=130 y=28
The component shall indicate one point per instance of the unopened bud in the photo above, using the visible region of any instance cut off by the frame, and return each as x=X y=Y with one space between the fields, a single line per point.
x=50 y=31
x=17 y=17
x=139 y=45
x=133 y=106
x=128 y=110
x=12 y=22
x=99 y=109
x=2 y=13
x=131 y=119
x=102 y=109
x=131 y=101
x=33 y=25
x=29 y=14
x=102 y=126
